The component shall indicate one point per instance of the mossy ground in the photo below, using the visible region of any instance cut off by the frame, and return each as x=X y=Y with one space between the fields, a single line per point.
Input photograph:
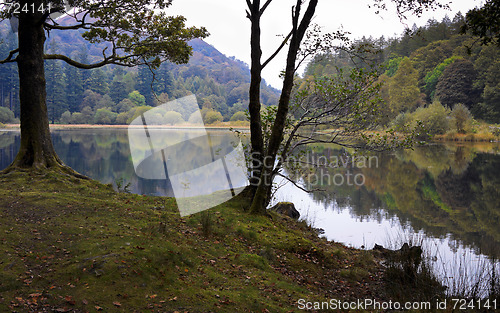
x=71 y=245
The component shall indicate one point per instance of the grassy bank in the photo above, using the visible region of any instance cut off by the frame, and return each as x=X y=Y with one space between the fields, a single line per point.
x=478 y=137
x=78 y=246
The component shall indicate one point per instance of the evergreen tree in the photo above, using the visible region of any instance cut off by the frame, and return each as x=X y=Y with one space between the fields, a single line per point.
x=56 y=96
x=97 y=82
x=4 y=74
x=488 y=82
x=490 y=107
x=74 y=87
x=145 y=83
x=83 y=57
x=165 y=80
x=9 y=78
x=118 y=88
x=457 y=23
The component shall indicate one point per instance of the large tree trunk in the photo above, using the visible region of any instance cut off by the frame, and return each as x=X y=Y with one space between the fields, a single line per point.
x=36 y=145
x=256 y=138
x=36 y=151
x=262 y=195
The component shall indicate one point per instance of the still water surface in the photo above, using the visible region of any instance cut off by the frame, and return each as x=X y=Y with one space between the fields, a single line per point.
x=444 y=196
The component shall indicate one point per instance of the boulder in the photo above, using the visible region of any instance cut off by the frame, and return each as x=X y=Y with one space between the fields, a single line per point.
x=286 y=208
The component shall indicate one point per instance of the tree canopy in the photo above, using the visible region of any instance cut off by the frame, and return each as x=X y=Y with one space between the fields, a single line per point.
x=484 y=22
x=136 y=31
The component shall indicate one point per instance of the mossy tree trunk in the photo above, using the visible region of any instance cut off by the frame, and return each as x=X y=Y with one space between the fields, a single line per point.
x=262 y=195
x=36 y=150
x=256 y=139
x=36 y=145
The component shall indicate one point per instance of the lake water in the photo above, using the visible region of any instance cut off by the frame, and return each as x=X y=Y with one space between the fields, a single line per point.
x=443 y=196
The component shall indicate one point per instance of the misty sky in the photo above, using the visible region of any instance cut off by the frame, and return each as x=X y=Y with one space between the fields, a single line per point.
x=230 y=29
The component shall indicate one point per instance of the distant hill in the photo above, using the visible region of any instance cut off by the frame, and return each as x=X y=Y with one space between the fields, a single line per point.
x=220 y=83
x=208 y=63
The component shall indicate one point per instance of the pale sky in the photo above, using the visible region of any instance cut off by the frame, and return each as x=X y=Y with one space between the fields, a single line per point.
x=230 y=29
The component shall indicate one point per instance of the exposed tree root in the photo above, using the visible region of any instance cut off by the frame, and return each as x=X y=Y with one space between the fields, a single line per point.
x=40 y=167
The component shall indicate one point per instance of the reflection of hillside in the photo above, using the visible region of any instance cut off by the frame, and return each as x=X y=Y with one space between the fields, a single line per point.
x=447 y=201
x=486 y=206
x=100 y=154
x=6 y=140
x=9 y=145
x=439 y=189
x=455 y=189
x=438 y=158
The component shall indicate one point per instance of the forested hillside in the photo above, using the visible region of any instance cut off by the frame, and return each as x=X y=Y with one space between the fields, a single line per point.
x=432 y=73
x=115 y=95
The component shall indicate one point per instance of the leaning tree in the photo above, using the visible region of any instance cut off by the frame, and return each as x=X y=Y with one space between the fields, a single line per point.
x=131 y=32
x=337 y=108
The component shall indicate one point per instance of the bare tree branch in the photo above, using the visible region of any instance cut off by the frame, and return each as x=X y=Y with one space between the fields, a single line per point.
x=304 y=24
x=250 y=5
x=9 y=59
x=59 y=27
x=107 y=60
x=265 y=6
x=296 y=15
x=283 y=44
x=299 y=186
